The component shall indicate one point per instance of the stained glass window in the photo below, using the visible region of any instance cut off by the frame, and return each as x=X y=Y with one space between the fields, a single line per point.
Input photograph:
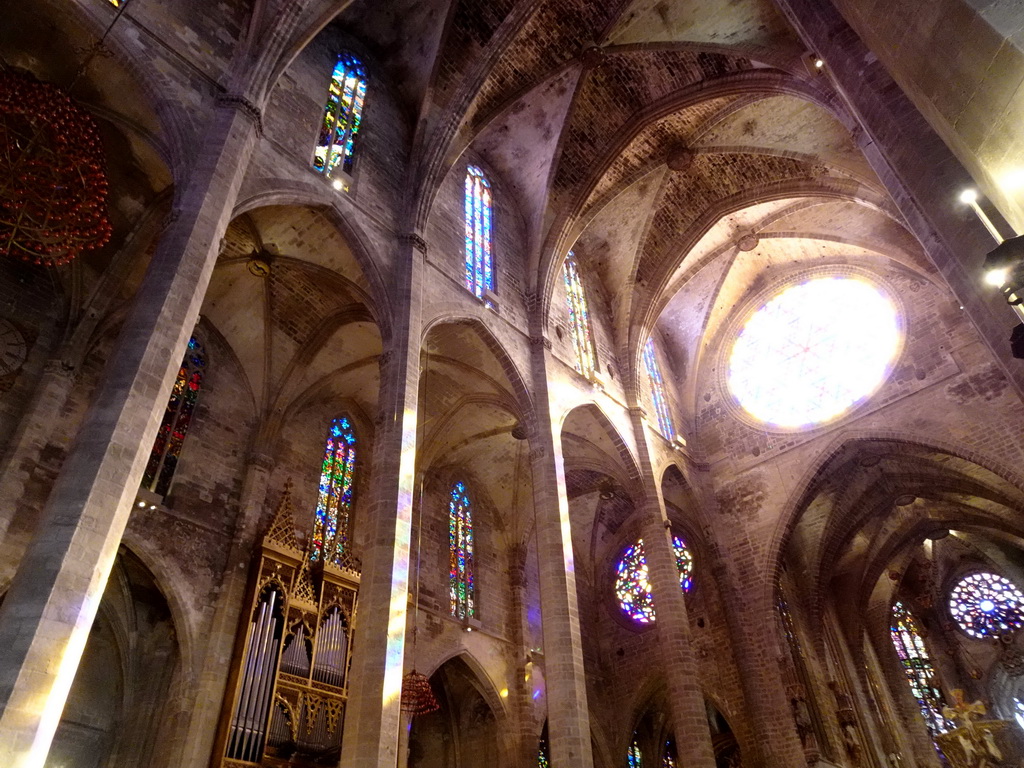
x=579 y=317
x=1018 y=711
x=118 y=3
x=670 y=760
x=460 y=547
x=479 y=270
x=543 y=760
x=163 y=459
x=917 y=664
x=658 y=391
x=343 y=114
x=814 y=351
x=334 y=501
x=634 y=758
x=987 y=605
x=632 y=580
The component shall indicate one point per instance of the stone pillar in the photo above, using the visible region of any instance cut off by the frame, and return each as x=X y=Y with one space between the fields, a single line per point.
x=756 y=652
x=918 y=170
x=678 y=662
x=756 y=656
x=47 y=614
x=33 y=431
x=522 y=705
x=204 y=705
x=568 y=715
x=373 y=716
x=911 y=719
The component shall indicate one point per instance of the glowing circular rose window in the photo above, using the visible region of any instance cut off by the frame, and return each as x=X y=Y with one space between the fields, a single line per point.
x=987 y=605
x=632 y=580
x=813 y=351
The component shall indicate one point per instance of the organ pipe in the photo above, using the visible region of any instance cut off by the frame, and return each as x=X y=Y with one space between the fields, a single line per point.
x=248 y=725
x=286 y=699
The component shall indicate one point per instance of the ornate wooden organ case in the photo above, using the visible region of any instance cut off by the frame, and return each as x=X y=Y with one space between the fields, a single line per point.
x=286 y=693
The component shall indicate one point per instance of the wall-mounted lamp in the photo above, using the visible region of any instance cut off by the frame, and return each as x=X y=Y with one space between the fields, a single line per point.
x=1003 y=269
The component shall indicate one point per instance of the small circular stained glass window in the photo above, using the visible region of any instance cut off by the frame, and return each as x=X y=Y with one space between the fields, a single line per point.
x=814 y=351
x=987 y=605
x=632 y=581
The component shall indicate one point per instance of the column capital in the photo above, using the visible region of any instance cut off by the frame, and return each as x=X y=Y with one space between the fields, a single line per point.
x=246 y=107
x=415 y=241
x=260 y=461
x=59 y=368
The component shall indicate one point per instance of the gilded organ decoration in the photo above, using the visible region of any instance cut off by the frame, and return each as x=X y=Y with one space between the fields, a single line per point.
x=287 y=690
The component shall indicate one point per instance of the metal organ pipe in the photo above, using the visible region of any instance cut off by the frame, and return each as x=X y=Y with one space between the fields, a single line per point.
x=332 y=643
x=237 y=723
x=266 y=690
x=250 y=718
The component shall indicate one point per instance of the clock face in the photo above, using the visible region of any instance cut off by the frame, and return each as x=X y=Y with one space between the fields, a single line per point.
x=12 y=348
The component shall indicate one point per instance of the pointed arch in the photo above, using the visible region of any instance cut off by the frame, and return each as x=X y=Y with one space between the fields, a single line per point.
x=334 y=500
x=479 y=238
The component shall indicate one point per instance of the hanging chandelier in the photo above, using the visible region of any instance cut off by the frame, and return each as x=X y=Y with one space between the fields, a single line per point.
x=53 y=187
x=417 y=696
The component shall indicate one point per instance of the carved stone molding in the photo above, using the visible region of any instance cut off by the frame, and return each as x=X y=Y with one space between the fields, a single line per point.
x=246 y=107
x=414 y=240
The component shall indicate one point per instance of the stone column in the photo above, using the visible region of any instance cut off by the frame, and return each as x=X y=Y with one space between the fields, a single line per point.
x=912 y=721
x=568 y=715
x=918 y=170
x=33 y=431
x=522 y=705
x=46 y=616
x=373 y=716
x=678 y=662
x=733 y=556
x=756 y=656
x=203 y=707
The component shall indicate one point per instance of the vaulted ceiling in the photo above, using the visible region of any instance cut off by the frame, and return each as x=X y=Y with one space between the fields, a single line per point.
x=653 y=139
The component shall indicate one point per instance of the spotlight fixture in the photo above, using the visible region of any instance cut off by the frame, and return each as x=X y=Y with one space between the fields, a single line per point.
x=1003 y=265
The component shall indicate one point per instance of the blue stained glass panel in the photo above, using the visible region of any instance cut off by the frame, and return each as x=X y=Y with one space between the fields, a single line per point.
x=479 y=246
x=343 y=114
x=658 y=391
x=460 y=546
x=334 y=500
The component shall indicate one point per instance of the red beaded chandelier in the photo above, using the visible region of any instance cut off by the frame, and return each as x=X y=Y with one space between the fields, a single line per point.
x=53 y=187
x=417 y=696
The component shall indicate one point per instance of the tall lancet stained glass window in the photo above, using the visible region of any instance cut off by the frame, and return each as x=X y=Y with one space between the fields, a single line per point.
x=665 y=424
x=181 y=407
x=917 y=664
x=670 y=759
x=479 y=261
x=634 y=758
x=343 y=115
x=460 y=548
x=334 y=502
x=579 y=317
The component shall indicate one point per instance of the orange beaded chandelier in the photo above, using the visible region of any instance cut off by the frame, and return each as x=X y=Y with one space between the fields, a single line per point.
x=53 y=186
